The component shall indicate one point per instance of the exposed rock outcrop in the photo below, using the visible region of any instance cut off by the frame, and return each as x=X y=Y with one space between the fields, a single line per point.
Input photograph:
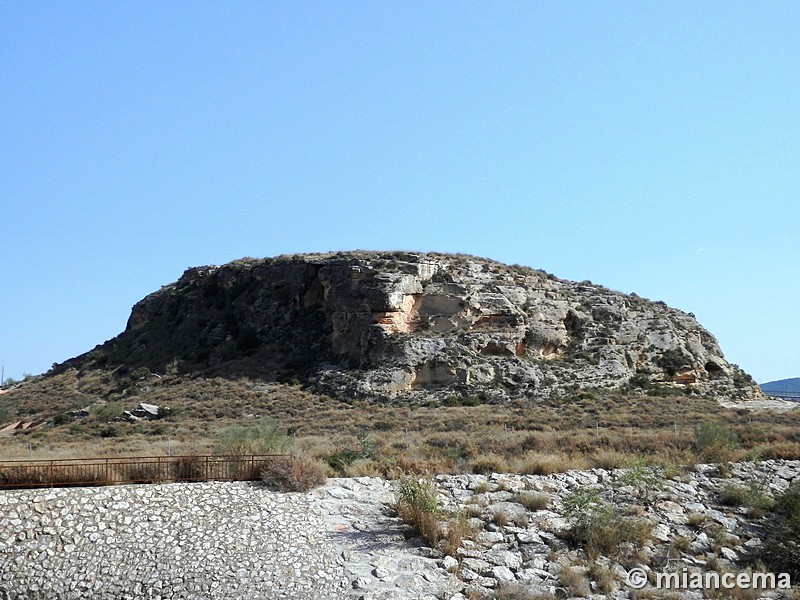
x=398 y=324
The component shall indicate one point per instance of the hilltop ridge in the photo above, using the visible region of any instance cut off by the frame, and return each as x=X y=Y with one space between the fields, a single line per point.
x=782 y=385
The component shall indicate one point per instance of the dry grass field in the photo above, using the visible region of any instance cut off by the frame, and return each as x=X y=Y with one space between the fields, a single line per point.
x=605 y=428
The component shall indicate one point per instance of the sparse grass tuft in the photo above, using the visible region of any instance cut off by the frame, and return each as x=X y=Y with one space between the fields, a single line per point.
x=417 y=504
x=532 y=501
x=681 y=543
x=500 y=518
x=607 y=458
x=489 y=463
x=517 y=591
x=483 y=488
x=458 y=530
x=603 y=577
x=697 y=520
x=575 y=581
x=752 y=495
x=546 y=464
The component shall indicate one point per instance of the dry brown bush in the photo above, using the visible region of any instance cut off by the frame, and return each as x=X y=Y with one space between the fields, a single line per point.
x=780 y=451
x=546 y=464
x=487 y=464
x=458 y=528
x=293 y=473
x=142 y=472
x=607 y=458
x=189 y=468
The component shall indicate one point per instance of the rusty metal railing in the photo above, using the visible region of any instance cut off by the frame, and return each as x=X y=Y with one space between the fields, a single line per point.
x=130 y=469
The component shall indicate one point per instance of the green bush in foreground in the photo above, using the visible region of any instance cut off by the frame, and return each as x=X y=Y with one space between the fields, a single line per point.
x=597 y=527
x=781 y=548
x=417 y=504
x=752 y=495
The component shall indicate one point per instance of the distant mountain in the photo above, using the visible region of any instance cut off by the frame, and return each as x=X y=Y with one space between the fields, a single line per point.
x=782 y=385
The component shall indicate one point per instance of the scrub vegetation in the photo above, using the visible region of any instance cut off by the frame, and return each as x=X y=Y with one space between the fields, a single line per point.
x=605 y=428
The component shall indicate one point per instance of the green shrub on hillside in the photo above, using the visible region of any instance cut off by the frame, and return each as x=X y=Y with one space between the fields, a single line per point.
x=672 y=361
x=741 y=379
x=715 y=442
x=751 y=495
x=647 y=481
x=109 y=411
x=267 y=437
x=344 y=457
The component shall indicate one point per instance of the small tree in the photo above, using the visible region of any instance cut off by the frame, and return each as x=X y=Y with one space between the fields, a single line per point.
x=715 y=441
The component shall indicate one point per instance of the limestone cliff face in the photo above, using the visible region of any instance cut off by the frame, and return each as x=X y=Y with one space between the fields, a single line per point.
x=394 y=324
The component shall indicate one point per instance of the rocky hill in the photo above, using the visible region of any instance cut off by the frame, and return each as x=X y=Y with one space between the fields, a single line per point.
x=396 y=324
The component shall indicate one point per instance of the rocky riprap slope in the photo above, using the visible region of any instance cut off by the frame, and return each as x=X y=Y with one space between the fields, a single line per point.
x=223 y=541
x=240 y=540
x=403 y=324
x=529 y=552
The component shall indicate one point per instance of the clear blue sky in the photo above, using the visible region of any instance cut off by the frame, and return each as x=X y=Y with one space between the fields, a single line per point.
x=652 y=147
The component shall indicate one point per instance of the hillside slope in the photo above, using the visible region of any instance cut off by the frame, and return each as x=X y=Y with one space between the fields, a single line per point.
x=782 y=385
x=399 y=325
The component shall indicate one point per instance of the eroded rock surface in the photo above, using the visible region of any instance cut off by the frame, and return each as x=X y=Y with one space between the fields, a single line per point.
x=404 y=324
